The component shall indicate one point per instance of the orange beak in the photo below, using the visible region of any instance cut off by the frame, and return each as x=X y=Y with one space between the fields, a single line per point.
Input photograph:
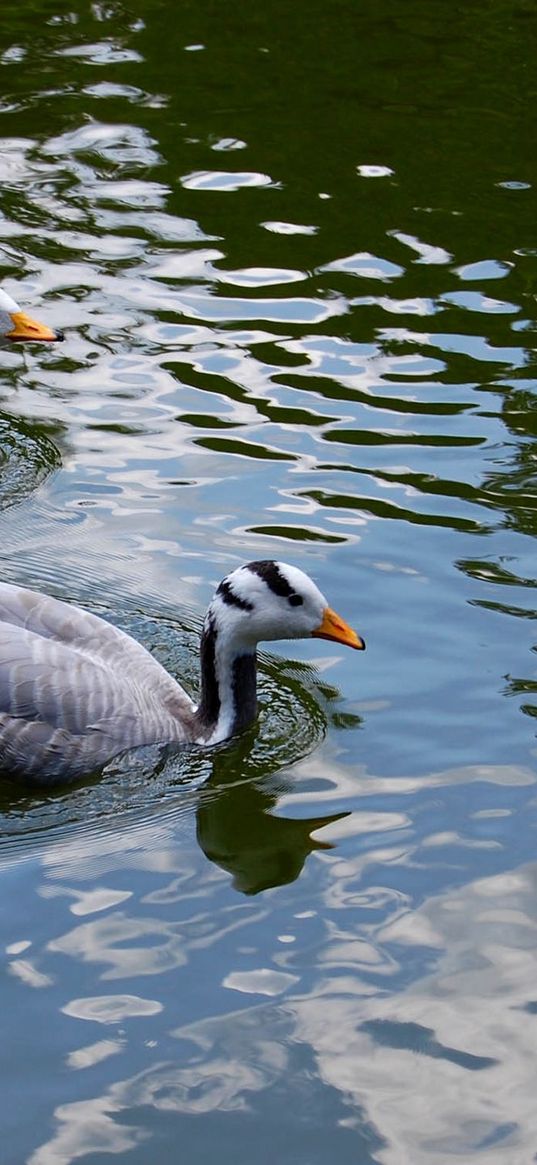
x=333 y=627
x=25 y=328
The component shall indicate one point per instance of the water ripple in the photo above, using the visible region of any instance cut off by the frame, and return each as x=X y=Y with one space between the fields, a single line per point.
x=335 y=914
x=26 y=458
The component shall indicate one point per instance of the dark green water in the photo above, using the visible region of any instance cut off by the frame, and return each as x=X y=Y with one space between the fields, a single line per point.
x=294 y=250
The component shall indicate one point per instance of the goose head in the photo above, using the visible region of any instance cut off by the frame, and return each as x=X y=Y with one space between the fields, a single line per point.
x=16 y=325
x=272 y=600
x=261 y=601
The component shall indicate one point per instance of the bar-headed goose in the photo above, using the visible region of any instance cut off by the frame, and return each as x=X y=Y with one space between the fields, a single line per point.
x=75 y=691
x=16 y=325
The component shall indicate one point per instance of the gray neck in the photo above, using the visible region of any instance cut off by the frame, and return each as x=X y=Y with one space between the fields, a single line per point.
x=228 y=701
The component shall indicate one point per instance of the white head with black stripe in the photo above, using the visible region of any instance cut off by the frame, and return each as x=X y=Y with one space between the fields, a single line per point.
x=269 y=600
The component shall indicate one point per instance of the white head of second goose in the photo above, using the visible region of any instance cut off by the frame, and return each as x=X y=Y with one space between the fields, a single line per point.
x=15 y=325
x=75 y=691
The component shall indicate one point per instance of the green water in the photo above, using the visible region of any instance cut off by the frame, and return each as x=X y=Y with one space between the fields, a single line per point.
x=293 y=249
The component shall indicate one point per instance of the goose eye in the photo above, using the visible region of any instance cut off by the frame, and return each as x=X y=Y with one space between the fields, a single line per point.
x=296 y=600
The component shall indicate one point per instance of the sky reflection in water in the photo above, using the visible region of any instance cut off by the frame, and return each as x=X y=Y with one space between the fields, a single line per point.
x=298 y=291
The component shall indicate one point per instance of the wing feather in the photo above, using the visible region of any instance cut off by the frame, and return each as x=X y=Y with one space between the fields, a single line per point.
x=75 y=690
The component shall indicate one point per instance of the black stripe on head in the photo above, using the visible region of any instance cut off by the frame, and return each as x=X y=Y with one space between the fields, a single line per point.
x=227 y=594
x=271 y=574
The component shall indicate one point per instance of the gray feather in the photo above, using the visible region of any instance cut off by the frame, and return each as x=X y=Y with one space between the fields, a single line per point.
x=75 y=691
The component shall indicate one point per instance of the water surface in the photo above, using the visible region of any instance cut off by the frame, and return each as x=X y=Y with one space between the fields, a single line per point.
x=293 y=251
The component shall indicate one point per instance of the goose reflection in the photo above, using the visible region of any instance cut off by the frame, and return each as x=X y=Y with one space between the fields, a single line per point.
x=237 y=831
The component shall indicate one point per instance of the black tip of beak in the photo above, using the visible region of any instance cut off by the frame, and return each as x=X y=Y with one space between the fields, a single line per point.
x=59 y=334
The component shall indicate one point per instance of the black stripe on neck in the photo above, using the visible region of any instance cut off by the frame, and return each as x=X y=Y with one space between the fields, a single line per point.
x=272 y=576
x=209 y=705
x=244 y=681
x=227 y=594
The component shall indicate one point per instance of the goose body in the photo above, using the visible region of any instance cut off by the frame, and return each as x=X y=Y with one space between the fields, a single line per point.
x=75 y=691
x=15 y=325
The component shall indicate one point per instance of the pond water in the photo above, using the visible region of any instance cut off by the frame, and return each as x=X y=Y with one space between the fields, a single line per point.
x=293 y=250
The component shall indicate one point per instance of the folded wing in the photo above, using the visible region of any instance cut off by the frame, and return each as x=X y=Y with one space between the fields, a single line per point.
x=75 y=691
